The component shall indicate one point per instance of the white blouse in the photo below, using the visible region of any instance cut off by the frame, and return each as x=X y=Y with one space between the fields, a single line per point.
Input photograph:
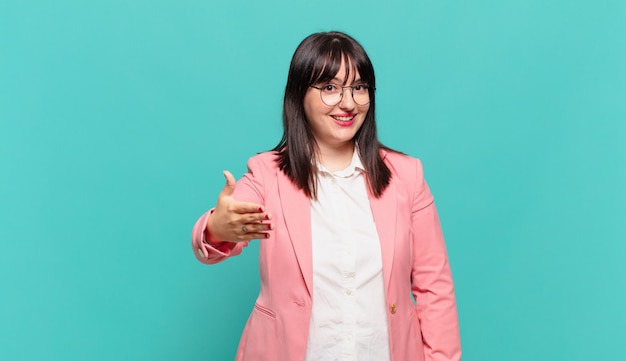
x=349 y=316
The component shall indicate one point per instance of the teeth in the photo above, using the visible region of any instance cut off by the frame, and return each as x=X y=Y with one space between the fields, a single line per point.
x=343 y=119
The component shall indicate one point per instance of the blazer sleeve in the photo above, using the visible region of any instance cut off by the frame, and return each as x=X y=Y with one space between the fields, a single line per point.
x=431 y=278
x=248 y=189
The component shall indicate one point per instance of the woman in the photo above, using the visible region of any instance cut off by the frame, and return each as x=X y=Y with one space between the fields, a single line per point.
x=348 y=228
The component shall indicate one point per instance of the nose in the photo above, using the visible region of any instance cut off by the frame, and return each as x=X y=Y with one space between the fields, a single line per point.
x=347 y=101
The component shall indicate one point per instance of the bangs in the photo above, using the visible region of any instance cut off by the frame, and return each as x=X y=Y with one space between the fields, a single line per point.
x=326 y=66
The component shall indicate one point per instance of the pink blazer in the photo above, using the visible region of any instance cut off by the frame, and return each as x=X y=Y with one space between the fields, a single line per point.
x=414 y=262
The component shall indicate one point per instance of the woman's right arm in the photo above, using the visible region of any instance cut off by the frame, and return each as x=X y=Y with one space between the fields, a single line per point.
x=223 y=231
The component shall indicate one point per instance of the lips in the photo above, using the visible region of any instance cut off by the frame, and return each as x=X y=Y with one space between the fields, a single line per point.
x=344 y=119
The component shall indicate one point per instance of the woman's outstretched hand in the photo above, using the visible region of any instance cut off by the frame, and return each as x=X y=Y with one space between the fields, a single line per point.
x=234 y=221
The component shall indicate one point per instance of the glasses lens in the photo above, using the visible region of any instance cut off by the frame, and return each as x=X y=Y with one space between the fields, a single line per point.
x=361 y=94
x=331 y=94
x=331 y=99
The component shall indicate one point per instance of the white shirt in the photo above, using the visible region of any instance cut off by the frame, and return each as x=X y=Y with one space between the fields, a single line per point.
x=349 y=316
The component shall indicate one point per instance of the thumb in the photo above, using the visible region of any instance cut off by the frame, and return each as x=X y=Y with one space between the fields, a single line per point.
x=229 y=188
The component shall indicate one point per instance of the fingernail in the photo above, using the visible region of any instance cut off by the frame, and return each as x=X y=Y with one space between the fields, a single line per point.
x=267 y=216
x=260 y=209
x=267 y=235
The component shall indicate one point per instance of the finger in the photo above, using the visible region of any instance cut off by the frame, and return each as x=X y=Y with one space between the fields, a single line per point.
x=255 y=235
x=256 y=217
x=245 y=207
x=254 y=230
x=257 y=227
x=229 y=188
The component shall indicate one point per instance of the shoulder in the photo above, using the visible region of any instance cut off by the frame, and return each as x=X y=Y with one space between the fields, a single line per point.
x=402 y=165
x=268 y=158
x=264 y=163
x=408 y=174
x=262 y=175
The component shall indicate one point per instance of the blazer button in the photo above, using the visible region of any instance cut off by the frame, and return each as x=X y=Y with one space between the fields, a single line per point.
x=394 y=309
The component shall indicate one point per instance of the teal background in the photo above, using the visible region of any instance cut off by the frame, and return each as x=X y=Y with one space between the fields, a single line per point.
x=117 y=118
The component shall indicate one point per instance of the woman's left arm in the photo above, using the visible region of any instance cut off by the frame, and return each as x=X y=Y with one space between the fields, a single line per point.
x=431 y=278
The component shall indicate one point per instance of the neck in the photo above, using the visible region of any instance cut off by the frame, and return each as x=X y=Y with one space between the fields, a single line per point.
x=336 y=158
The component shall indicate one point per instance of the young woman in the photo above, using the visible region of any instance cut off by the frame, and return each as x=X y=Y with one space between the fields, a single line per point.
x=348 y=228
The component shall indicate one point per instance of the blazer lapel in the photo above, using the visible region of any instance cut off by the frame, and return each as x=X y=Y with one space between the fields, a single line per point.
x=384 y=210
x=297 y=212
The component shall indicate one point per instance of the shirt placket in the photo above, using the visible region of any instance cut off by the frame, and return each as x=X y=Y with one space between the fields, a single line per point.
x=347 y=269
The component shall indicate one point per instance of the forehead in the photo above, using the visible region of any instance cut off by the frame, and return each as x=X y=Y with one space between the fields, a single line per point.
x=347 y=73
x=343 y=71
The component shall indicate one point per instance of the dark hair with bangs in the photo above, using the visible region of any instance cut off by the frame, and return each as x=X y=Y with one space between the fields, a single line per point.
x=318 y=59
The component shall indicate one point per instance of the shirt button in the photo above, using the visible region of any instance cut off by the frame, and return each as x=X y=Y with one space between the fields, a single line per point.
x=348 y=292
x=333 y=181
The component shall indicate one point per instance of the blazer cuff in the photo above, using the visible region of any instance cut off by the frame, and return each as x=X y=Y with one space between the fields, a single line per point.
x=206 y=249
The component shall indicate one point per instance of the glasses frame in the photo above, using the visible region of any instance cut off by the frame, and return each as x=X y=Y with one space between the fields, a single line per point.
x=341 y=93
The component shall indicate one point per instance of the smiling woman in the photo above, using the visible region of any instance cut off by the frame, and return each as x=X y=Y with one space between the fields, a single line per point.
x=349 y=228
x=335 y=119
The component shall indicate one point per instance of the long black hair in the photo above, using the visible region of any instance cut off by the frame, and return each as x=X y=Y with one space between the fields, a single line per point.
x=318 y=59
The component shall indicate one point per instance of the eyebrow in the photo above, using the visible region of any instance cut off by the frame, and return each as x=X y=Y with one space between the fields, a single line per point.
x=356 y=81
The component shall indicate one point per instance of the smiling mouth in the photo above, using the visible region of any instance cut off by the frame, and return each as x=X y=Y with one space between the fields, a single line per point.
x=343 y=118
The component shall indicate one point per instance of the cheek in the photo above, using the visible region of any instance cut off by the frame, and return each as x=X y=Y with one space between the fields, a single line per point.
x=365 y=109
x=309 y=106
x=314 y=108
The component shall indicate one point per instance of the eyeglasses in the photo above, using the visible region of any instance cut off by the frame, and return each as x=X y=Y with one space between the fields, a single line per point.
x=332 y=94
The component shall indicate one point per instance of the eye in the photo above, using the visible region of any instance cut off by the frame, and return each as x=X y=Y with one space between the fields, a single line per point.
x=330 y=88
x=360 y=88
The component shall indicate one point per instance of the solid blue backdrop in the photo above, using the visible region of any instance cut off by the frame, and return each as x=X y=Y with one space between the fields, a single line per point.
x=118 y=117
